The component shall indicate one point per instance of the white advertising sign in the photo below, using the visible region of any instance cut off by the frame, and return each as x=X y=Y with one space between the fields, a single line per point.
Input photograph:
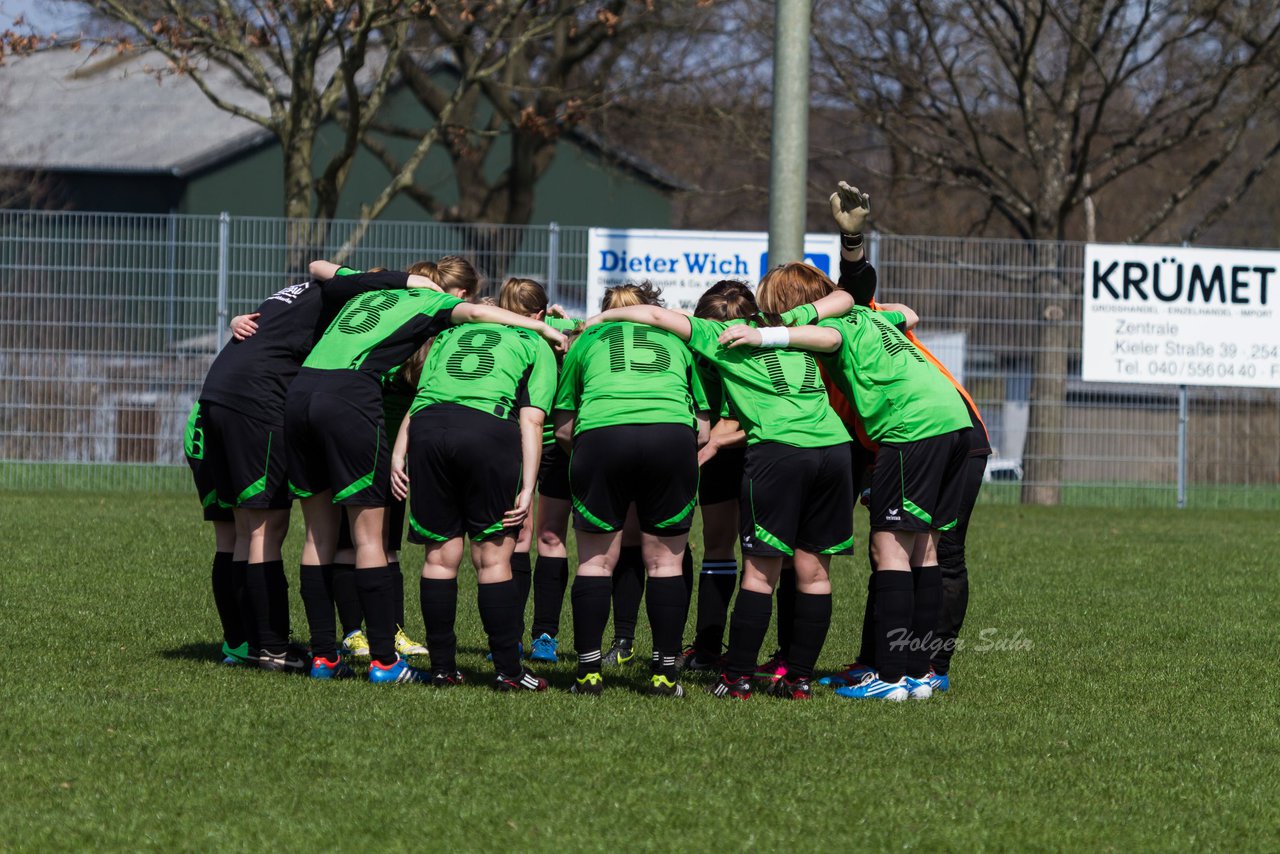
x=686 y=263
x=1161 y=314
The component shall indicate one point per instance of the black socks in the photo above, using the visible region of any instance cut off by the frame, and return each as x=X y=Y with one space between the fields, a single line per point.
x=500 y=615
x=955 y=601
x=667 y=608
x=927 y=581
x=522 y=577
x=227 y=596
x=550 y=578
x=747 y=628
x=377 y=599
x=591 y=596
x=397 y=594
x=786 y=609
x=268 y=594
x=715 y=588
x=811 y=622
x=628 y=590
x=316 y=585
x=439 y=597
x=346 y=597
x=895 y=608
x=867 y=652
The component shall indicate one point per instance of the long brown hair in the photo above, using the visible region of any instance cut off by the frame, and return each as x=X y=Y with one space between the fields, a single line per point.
x=728 y=299
x=632 y=293
x=523 y=296
x=453 y=274
x=790 y=285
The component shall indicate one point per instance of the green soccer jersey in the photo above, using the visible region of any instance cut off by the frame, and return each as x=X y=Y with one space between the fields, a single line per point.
x=777 y=395
x=899 y=394
x=378 y=330
x=629 y=373
x=493 y=368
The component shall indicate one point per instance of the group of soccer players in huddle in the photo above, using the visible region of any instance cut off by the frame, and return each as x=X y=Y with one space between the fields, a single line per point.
x=358 y=392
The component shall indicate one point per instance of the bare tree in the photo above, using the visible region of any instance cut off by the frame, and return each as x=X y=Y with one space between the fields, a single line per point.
x=564 y=60
x=1032 y=106
x=303 y=61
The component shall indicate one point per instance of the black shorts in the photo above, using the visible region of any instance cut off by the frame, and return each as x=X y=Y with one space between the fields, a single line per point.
x=245 y=456
x=193 y=447
x=721 y=477
x=338 y=444
x=654 y=466
x=394 y=526
x=464 y=473
x=553 y=474
x=918 y=486
x=796 y=498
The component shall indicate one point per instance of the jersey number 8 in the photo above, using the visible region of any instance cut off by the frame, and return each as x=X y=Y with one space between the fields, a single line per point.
x=473 y=342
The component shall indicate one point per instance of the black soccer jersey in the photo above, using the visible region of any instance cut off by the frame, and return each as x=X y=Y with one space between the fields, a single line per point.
x=252 y=375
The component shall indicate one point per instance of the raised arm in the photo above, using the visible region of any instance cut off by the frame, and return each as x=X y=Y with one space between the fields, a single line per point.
x=465 y=312
x=835 y=304
x=651 y=315
x=323 y=271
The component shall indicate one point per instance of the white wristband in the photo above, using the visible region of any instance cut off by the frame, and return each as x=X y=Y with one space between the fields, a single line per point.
x=774 y=336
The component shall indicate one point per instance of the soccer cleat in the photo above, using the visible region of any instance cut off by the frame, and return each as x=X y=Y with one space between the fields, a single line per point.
x=872 y=687
x=850 y=674
x=592 y=684
x=791 y=689
x=356 y=645
x=446 y=678
x=919 y=689
x=773 y=669
x=405 y=646
x=938 y=681
x=695 y=661
x=622 y=652
x=661 y=686
x=293 y=660
x=544 y=648
x=323 y=668
x=526 y=681
x=399 y=671
x=737 y=689
x=236 y=656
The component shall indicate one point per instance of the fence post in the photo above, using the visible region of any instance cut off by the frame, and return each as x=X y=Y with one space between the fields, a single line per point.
x=873 y=250
x=224 y=254
x=553 y=261
x=1182 y=447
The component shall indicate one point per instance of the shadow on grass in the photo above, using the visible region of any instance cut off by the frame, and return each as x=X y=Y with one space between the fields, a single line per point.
x=208 y=652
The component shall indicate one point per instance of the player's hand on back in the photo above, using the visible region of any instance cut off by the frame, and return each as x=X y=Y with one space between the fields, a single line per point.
x=740 y=335
x=244 y=325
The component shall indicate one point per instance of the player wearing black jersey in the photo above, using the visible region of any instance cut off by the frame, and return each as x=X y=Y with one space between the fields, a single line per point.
x=338 y=448
x=240 y=426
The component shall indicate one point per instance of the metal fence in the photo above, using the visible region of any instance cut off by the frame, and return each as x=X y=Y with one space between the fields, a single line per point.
x=108 y=323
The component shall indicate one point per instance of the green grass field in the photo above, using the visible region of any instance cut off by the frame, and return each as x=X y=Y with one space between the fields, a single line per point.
x=1142 y=715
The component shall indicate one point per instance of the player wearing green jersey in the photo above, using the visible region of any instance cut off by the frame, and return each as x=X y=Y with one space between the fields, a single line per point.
x=338 y=446
x=470 y=445
x=551 y=574
x=921 y=424
x=798 y=495
x=632 y=406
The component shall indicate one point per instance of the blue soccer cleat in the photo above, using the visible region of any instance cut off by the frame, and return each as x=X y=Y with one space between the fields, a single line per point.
x=872 y=687
x=919 y=689
x=386 y=674
x=938 y=681
x=850 y=674
x=544 y=648
x=323 y=668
